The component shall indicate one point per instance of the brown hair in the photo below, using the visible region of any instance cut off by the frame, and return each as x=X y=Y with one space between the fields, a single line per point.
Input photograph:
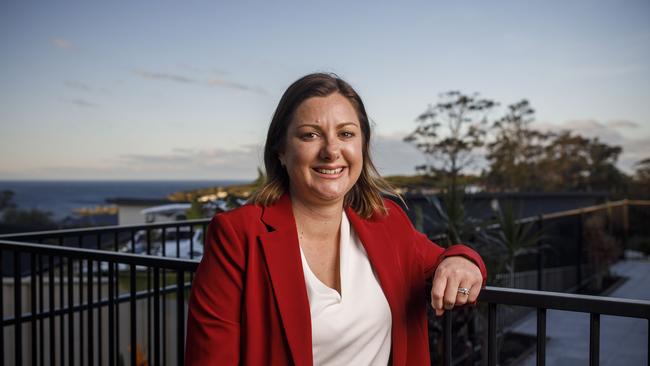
x=365 y=196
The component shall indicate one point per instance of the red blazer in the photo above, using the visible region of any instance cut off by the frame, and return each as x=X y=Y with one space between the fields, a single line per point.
x=249 y=302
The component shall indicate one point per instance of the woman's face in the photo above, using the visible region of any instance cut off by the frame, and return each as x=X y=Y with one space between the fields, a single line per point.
x=323 y=152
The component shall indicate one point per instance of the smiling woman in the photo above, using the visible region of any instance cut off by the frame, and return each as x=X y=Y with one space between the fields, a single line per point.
x=320 y=268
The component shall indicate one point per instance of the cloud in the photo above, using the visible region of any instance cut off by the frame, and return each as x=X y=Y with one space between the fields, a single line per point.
x=176 y=164
x=232 y=85
x=187 y=163
x=62 y=43
x=81 y=103
x=622 y=124
x=210 y=82
x=165 y=76
x=78 y=86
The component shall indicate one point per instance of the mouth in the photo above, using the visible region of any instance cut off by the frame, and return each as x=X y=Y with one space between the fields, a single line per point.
x=326 y=171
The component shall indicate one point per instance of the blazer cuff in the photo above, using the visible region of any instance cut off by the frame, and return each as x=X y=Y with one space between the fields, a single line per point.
x=468 y=253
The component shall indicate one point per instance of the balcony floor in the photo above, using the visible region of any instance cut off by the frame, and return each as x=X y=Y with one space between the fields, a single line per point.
x=623 y=341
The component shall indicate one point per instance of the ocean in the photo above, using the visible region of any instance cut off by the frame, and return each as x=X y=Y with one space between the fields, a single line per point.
x=62 y=197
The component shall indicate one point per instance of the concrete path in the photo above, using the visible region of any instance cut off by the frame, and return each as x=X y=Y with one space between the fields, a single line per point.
x=623 y=341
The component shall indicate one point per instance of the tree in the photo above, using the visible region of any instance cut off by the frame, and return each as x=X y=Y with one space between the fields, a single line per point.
x=6 y=198
x=514 y=153
x=640 y=185
x=575 y=163
x=449 y=131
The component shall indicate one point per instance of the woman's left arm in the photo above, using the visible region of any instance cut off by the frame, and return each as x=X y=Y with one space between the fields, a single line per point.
x=455 y=268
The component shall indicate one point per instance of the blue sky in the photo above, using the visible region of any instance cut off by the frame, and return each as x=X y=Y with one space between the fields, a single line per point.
x=185 y=90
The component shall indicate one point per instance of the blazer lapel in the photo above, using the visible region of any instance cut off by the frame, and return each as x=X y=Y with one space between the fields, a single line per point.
x=383 y=258
x=282 y=254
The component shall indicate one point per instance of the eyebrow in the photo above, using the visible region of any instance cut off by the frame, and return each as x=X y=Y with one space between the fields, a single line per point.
x=339 y=126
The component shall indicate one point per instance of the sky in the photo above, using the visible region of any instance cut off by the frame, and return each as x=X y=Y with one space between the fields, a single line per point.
x=185 y=90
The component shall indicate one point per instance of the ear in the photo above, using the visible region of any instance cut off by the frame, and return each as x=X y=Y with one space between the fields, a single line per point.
x=281 y=158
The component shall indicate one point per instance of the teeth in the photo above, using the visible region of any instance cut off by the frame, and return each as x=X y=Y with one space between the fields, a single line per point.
x=329 y=171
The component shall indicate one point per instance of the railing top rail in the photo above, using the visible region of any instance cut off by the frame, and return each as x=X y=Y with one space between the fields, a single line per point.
x=583 y=210
x=569 y=302
x=102 y=229
x=101 y=255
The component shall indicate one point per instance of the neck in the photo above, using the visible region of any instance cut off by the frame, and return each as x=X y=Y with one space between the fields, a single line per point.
x=317 y=221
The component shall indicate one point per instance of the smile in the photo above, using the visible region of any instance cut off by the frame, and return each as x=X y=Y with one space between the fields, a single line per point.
x=329 y=171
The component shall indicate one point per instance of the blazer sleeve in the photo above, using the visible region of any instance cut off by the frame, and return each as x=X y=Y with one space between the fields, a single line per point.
x=431 y=254
x=214 y=310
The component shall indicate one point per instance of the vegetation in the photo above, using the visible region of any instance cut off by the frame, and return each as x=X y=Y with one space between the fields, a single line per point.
x=449 y=132
x=519 y=158
x=22 y=219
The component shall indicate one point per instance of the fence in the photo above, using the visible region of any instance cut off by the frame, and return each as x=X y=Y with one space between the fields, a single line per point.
x=83 y=296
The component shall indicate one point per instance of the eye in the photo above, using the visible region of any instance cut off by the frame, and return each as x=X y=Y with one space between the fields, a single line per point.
x=308 y=135
x=347 y=134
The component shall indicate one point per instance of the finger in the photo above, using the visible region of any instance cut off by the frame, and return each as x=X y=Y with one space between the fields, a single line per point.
x=439 y=312
x=461 y=298
x=450 y=292
x=473 y=292
x=438 y=291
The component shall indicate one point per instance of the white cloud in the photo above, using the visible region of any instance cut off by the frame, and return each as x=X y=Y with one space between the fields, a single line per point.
x=151 y=75
x=83 y=103
x=622 y=123
x=165 y=76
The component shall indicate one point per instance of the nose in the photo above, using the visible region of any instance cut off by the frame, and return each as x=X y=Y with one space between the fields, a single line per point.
x=331 y=149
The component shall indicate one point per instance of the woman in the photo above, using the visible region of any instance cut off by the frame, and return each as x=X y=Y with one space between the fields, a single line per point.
x=320 y=269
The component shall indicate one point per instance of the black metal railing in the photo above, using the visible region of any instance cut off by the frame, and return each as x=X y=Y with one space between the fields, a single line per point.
x=68 y=330
x=543 y=300
x=176 y=239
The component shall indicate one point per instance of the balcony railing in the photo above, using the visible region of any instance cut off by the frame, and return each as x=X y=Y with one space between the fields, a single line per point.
x=65 y=300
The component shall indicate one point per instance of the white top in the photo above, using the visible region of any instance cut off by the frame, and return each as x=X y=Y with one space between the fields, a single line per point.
x=352 y=328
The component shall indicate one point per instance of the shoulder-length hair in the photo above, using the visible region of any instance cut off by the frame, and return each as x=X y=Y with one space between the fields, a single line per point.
x=365 y=197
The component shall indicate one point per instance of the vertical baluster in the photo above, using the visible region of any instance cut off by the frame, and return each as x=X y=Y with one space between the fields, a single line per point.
x=117 y=301
x=91 y=343
x=492 y=334
x=70 y=312
x=178 y=242
x=447 y=341
x=41 y=310
x=133 y=316
x=164 y=298
x=204 y=234
x=149 y=297
x=82 y=348
x=61 y=306
x=2 y=315
x=191 y=241
x=32 y=294
x=180 y=316
x=541 y=337
x=111 y=310
x=156 y=314
x=594 y=340
x=51 y=307
x=99 y=308
x=18 y=311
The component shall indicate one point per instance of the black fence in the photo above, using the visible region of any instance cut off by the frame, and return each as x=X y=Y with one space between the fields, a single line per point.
x=77 y=306
x=114 y=295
